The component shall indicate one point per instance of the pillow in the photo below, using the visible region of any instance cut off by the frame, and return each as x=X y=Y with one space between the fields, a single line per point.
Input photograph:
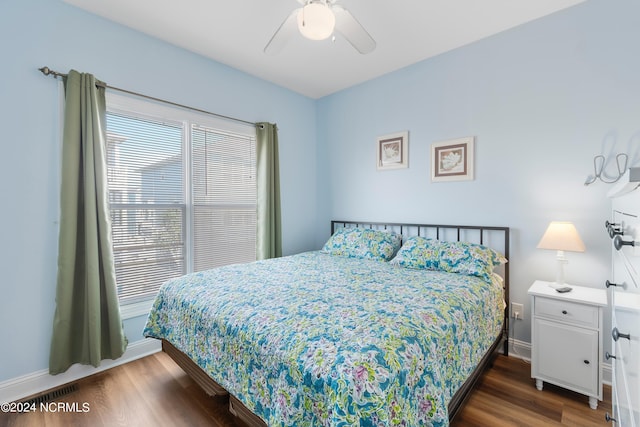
x=420 y=253
x=469 y=258
x=363 y=243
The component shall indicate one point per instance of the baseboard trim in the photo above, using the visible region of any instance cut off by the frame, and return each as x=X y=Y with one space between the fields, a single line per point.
x=40 y=381
x=607 y=374
x=520 y=349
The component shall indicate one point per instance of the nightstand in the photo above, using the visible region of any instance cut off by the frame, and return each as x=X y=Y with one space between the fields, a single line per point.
x=566 y=338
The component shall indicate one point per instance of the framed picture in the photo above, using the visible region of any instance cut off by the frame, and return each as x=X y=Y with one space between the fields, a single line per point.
x=392 y=151
x=452 y=160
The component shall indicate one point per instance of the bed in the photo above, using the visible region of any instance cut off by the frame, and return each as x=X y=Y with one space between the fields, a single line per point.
x=388 y=324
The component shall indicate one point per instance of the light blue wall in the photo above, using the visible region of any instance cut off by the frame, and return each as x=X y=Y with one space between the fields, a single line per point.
x=35 y=33
x=541 y=100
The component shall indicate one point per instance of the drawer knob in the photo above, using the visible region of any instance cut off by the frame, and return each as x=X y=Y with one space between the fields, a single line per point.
x=608 y=224
x=608 y=284
x=618 y=243
x=586 y=362
x=613 y=232
x=608 y=356
x=608 y=418
x=616 y=334
x=564 y=311
x=613 y=229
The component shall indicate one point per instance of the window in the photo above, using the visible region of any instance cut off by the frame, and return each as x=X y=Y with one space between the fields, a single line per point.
x=182 y=194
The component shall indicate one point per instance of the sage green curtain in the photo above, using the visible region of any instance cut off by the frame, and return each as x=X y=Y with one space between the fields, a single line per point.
x=87 y=326
x=269 y=232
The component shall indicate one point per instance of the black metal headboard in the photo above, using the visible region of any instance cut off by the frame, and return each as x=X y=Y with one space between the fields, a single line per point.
x=496 y=238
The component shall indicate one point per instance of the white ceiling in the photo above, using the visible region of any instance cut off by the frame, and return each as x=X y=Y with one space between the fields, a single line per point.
x=235 y=32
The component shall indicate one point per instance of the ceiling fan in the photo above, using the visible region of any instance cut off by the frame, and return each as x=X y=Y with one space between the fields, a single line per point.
x=317 y=20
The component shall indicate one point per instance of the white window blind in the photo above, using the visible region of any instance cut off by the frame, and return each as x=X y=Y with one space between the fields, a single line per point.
x=224 y=198
x=182 y=194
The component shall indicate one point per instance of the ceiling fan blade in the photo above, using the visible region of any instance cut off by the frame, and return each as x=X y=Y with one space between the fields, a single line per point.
x=352 y=30
x=282 y=35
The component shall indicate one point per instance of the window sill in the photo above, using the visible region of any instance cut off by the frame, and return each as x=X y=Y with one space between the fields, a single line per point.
x=137 y=309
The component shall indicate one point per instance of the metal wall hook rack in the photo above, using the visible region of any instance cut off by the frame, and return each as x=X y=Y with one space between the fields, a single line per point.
x=598 y=169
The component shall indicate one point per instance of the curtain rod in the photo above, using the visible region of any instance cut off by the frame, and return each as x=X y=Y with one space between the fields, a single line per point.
x=49 y=72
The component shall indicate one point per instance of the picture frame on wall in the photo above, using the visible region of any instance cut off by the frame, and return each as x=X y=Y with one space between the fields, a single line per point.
x=452 y=160
x=392 y=151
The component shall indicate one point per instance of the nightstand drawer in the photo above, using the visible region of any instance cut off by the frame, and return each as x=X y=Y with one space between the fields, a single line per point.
x=567 y=311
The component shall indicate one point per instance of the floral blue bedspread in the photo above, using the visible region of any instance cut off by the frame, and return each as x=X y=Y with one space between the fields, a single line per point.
x=321 y=340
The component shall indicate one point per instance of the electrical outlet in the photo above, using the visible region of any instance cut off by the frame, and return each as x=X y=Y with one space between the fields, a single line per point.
x=517 y=310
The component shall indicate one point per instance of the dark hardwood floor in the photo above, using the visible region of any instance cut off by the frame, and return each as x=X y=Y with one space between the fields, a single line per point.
x=506 y=396
x=154 y=391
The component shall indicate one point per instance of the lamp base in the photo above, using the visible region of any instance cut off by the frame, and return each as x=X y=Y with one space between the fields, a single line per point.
x=560 y=271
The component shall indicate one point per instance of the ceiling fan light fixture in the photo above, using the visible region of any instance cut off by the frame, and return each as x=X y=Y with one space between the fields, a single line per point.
x=316 y=21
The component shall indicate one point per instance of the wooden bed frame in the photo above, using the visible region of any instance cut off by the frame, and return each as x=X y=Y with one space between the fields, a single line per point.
x=476 y=234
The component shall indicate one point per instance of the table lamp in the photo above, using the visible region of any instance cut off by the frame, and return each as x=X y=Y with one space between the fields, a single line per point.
x=561 y=236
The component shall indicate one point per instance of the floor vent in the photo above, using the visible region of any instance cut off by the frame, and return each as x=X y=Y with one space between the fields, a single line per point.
x=52 y=395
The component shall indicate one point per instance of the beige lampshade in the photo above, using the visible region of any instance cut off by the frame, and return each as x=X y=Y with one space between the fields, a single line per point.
x=561 y=236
